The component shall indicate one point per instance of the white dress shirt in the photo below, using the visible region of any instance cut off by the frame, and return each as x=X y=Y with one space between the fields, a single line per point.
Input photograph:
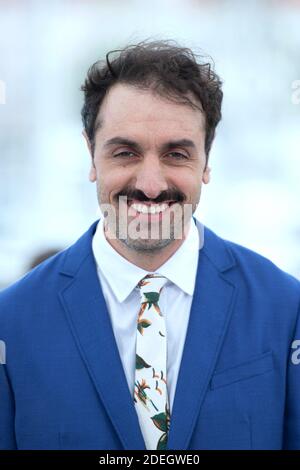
x=118 y=278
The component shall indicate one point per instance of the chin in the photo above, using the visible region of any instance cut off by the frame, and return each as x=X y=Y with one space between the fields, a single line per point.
x=146 y=245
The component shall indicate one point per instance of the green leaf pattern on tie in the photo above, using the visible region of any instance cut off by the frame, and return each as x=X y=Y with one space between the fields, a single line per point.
x=147 y=389
x=162 y=422
x=140 y=363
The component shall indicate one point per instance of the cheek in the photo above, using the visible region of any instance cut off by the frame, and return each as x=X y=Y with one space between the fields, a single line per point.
x=188 y=180
x=113 y=180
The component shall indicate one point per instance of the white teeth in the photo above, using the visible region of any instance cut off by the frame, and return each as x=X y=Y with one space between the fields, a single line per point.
x=152 y=209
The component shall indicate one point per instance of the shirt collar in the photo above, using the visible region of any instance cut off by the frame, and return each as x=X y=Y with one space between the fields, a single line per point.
x=123 y=276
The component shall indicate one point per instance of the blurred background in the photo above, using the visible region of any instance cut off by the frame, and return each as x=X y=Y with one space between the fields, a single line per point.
x=46 y=199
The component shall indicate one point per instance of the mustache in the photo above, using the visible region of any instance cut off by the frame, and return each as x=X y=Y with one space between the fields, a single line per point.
x=164 y=196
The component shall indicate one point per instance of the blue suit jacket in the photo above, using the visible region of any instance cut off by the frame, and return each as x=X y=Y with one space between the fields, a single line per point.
x=63 y=385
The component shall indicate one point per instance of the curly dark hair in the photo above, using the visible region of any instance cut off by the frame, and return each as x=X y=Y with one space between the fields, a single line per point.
x=162 y=66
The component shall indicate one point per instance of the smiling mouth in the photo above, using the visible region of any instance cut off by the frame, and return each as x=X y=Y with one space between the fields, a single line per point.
x=138 y=207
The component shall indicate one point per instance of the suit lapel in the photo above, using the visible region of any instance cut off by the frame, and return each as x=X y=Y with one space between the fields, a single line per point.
x=87 y=315
x=209 y=317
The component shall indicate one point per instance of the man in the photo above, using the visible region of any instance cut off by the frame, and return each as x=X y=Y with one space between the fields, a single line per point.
x=151 y=331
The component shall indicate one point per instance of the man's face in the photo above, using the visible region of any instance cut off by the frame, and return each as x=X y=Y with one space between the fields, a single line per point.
x=150 y=150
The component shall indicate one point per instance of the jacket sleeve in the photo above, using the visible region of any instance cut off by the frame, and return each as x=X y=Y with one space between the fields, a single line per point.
x=7 y=412
x=291 y=438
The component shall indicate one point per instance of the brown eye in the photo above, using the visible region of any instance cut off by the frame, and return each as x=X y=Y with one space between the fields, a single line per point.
x=124 y=154
x=178 y=155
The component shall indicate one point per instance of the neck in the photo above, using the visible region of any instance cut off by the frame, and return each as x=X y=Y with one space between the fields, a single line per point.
x=148 y=261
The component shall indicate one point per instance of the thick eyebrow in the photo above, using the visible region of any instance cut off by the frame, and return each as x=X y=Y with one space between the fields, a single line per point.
x=187 y=143
x=122 y=141
x=165 y=147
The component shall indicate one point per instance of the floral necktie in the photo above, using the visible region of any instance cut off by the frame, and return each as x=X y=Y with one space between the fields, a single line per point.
x=150 y=389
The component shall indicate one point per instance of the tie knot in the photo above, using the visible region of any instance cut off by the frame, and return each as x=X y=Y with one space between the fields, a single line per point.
x=152 y=283
x=150 y=288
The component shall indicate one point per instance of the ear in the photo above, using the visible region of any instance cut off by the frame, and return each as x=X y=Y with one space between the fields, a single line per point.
x=92 y=173
x=87 y=140
x=206 y=175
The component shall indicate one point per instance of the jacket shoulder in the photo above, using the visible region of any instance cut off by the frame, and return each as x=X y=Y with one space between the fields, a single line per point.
x=250 y=264
x=257 y=261
x=23 y=290
x=44 y=277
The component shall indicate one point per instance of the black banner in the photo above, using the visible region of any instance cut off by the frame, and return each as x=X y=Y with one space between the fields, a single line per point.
x=136 y=459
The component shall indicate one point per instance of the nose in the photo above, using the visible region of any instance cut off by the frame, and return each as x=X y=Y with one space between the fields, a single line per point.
x=150 y=178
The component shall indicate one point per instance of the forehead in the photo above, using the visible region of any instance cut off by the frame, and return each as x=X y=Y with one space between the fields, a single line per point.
x=126 y=107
